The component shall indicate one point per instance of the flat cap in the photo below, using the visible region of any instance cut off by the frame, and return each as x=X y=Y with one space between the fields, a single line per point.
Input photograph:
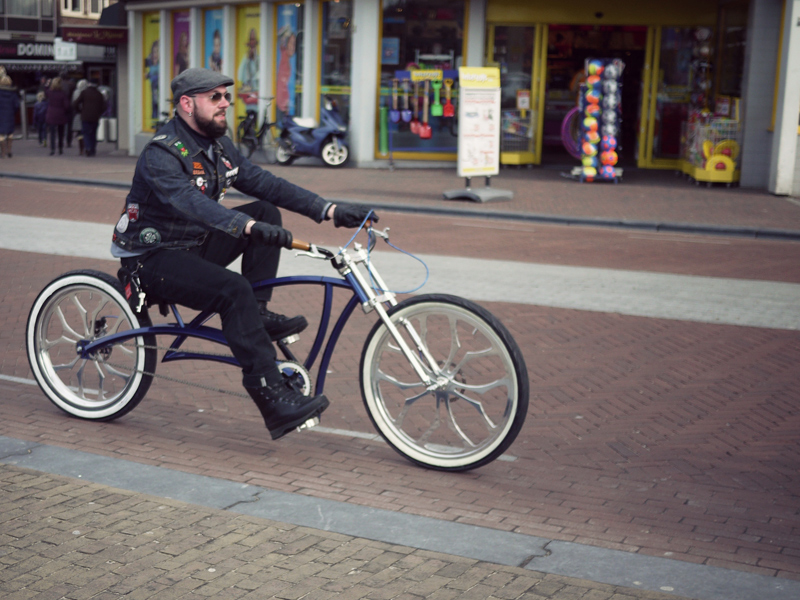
x=196 y=81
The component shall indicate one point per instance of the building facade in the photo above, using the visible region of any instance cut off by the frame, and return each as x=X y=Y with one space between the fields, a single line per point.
x=706 y=83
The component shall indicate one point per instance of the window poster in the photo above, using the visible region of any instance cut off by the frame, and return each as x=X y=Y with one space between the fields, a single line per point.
x=151 y=24
x=248 y=22
x=212 y=43
x=180 y=42
x=288 y=21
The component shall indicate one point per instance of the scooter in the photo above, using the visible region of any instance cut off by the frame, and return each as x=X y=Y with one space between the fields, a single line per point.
x=304 y=137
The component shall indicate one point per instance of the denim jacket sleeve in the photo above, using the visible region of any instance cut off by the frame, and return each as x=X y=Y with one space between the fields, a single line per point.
x=165 y=176
x=259 y=183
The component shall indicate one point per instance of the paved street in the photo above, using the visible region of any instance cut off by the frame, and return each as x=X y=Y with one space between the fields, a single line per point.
x=659 y=456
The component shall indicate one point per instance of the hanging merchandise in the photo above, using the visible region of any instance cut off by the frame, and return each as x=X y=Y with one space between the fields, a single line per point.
x=449 y=109
x=394 y=114
x=406 y=114
x=425 y=131
x=600 y=106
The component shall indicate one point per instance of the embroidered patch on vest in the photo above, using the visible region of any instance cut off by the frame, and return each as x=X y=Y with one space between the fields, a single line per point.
x=179 y=145
x=149 y=236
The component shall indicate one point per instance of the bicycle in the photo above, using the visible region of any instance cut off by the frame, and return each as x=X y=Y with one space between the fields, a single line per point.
x=442 y=380
x=250 y=138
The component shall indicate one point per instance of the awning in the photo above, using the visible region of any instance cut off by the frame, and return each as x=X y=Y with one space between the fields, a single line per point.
x=41 y=65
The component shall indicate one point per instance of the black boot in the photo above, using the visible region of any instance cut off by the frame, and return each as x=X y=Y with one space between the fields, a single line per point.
x=280 y=326
x=283 y=408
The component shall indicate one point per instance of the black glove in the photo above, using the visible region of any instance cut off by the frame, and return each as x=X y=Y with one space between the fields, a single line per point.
x=351 y=215
x=271 y=235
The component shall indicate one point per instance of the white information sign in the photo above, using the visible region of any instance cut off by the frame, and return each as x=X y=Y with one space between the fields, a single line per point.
x=65 y=50
x=478 y=121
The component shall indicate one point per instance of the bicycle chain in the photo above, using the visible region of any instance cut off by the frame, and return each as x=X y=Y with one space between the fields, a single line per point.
x=202 y=386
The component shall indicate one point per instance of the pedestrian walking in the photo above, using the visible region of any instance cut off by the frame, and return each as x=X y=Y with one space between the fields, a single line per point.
x=90 y=105
x=39 y=116
x=57 y=114
x=76 y=119
x=9 y=105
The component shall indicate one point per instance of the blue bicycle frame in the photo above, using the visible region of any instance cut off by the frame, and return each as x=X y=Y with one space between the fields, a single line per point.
x=197 y=329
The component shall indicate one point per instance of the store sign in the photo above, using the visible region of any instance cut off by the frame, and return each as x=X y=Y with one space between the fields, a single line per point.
x=27 y=50
x=479 y=121
x=101 y=36
x=65 y=50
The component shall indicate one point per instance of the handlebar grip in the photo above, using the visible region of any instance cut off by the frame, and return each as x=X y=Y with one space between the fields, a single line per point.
x=298 y=245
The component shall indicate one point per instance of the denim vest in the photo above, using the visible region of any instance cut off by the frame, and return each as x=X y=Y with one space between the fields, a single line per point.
x=177 y=188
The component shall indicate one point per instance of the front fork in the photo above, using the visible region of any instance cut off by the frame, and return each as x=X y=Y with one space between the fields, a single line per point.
x=370 y=300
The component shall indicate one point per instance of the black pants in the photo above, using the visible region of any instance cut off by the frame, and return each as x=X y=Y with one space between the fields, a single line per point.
x=197 y=278
x=56 y=130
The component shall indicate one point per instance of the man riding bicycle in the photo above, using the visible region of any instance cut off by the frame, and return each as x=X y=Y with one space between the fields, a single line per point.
x=176 y=239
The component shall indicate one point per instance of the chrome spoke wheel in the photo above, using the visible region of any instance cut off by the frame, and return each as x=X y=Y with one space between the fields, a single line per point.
x=76 y=308
x=476 y=403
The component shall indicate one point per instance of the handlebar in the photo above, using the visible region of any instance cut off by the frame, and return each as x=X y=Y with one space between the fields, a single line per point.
x=298 y=245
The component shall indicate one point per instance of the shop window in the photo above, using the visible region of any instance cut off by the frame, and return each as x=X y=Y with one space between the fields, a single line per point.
x=180 y=42
x=79 y=8
x=288 y=59
x=47 y=8
x=422 y=47
x=336 y=53
x=22 y=8
x=151 y=23
x=212 y=39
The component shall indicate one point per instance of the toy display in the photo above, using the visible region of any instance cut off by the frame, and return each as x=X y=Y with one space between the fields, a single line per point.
x=710 y=142
x=600 y=105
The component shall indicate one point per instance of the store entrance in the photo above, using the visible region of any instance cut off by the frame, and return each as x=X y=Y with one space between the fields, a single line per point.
x=568 y=46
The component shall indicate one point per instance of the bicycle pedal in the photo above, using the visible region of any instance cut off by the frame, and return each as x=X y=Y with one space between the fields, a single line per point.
x=312 y=422
x=290 y=339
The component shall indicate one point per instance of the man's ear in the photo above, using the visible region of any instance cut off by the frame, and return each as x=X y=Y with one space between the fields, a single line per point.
x=185 y=104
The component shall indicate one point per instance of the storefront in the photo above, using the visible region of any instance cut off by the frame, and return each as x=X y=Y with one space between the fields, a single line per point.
x=542 y=52
x=398 y=75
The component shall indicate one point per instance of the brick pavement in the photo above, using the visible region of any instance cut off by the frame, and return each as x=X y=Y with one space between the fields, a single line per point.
x=69 y=539
x=658 y=437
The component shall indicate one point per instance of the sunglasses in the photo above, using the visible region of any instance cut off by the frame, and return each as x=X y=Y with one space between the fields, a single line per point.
x=216 y=97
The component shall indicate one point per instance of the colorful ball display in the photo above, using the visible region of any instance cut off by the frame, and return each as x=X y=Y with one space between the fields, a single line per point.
x=607 y=172
x=590 y=124
x=589 y=149
x=610 y=86
x=589 y=173
x=611 y=71
x=609 y=129
x=595 y=67
x=590 y=161
x=593 y=96
x=611 y=101
x=593 y=80
x=609 y=158
x=593 y=110
x=608 y=142
x=592 y=137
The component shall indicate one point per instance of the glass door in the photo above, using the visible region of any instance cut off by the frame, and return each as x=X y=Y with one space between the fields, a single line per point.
x=669 y=91
x=517 y=52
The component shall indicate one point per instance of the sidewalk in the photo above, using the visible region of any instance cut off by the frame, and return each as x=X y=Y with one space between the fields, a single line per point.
x=648 y=443
x=645 y=198
x=70 y=539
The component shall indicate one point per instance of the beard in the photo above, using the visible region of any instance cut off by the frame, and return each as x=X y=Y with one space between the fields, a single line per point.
x=210 y=127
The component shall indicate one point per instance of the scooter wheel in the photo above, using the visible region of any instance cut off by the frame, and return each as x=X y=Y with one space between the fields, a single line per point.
x=283 y=155
x=335 y=153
